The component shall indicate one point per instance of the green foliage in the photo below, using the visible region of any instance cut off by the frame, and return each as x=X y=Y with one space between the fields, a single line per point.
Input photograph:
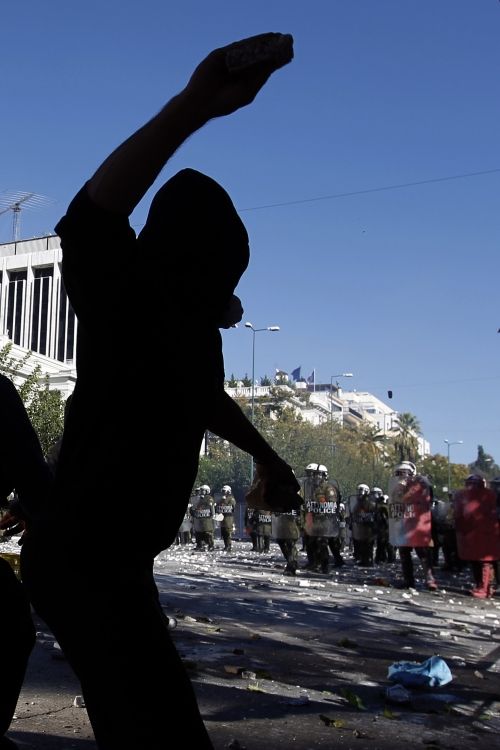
x=407 y=429
x=436 y=469
x=45 y=408
x=484 y=465
x=265 y=381
x=232 y=382
x=247 y=382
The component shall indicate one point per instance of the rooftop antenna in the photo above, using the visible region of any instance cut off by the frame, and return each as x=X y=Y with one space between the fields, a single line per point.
x=13 y=201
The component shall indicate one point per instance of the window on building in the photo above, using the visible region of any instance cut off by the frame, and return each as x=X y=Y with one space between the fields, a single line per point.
x=15 y=304
x=40 y=316
x=67 y=328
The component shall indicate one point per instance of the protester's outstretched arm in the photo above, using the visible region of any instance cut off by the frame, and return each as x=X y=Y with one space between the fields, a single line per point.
x=276 y=475
x=123 y=179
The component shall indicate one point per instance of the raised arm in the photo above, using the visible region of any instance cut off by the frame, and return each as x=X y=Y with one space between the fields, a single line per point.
x=279 y=485
x=123 y=179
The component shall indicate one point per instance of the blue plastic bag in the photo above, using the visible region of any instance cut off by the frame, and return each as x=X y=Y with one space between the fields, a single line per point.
x=431 y=673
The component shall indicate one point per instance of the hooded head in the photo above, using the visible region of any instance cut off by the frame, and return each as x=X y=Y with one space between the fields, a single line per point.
x=194 y=243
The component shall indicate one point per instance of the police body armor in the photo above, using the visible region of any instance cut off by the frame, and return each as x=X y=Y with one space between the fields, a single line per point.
x=363 y=518
x=225 y=506
x=286 y=525
x=203 y=513
x=264 y=523
x=476 y=524
x=443 y=516
x=322 y=508
x=409 y=511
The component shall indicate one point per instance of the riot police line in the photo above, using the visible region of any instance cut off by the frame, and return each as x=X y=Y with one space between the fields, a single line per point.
x=376 y=528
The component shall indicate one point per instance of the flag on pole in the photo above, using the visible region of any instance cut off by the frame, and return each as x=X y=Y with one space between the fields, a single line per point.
x=296 y=374
x=312 y=378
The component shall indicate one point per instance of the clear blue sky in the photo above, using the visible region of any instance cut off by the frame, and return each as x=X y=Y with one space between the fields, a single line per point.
x=399 y=287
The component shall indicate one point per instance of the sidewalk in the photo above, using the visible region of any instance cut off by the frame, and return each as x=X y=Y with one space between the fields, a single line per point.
x=237 y=613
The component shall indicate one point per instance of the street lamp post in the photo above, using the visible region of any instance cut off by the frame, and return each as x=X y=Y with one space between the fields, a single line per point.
x=457 y=442
x=344 y=375
x=254 y=331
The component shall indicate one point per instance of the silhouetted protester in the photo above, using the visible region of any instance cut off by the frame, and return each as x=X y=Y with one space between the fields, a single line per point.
x=22 y=468
x=104 y=608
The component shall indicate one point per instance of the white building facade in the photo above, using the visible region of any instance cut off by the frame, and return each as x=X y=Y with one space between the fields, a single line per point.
x=35 y=313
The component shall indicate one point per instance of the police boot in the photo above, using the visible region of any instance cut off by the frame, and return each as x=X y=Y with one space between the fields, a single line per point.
x=325 y=568
x=291 y=569
x=482 y=576
x=408 y=581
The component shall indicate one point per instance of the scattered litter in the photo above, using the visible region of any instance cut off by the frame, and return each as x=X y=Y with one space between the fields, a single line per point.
x=233 y=670
x=433 y=672
x=255 y=636
x=249 y=675
x=479 y=674
x=202 y=618
x=458 y=661
x=337 y=723
x=445 y=634
x=406 y=596
x=256 y=689
x=304 y=584
x=302 y=701
x=354 y=700
x=346 y=643
x=397 y=694
x=356 y=734
x=187 y=618
x=387 y=714
x=78 y=701
x=382 y=582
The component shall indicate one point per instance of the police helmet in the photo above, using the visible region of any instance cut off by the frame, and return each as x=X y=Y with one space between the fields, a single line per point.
x=363 y=489
x=405 y=468
x=377 y=491
x=226 y=488
x=314 y=468
x=205 y=489
x=496 y=483
x=475 y=479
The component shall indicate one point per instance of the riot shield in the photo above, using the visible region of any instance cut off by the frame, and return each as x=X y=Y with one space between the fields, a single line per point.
x=363 y=518
x=409 y=511
x=186 y=522
x=202 y=511
x=286 y=525
x=321 y=503
x=476 y=524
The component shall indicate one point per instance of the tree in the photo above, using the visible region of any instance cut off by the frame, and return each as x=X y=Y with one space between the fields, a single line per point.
x=247 y=382
x=407 y=429
x=436 y=469
x=484 y=465
x=232 y=382
x=45 y=407
x=265 y=381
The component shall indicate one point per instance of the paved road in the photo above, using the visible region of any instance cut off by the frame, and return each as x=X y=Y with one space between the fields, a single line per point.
x=286 y=633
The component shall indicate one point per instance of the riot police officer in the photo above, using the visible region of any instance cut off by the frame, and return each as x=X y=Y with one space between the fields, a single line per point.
x=354 y=501
x=322 y=499
x=286 y=528
x=184 y=533
x=385 y=550
x=203 y=514
x=264 y=528
x=443 y=532
x=225 y=505
x=410 y=497
x=363 y=519
x=251 y=523
x=478 y=531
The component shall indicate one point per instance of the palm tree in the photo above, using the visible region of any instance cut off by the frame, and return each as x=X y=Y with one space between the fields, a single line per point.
x=407 y=428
